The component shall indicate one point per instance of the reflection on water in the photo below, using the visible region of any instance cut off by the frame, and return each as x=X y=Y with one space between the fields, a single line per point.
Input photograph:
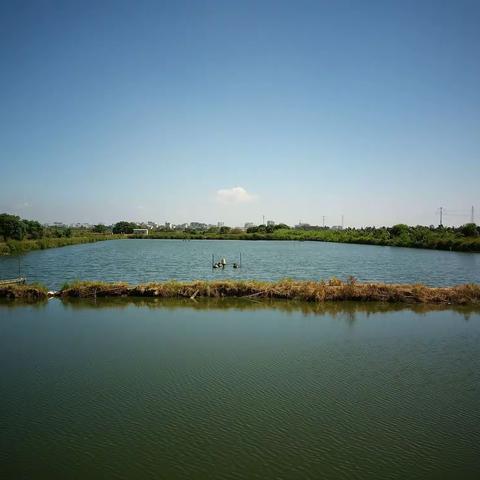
x=343 y=308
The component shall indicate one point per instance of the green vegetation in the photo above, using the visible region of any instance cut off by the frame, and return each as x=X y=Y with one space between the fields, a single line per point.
x=20 y=235
x=464 y=239
x=33 y=235
x=124 y=227
x=310 y=291
x=15 y=247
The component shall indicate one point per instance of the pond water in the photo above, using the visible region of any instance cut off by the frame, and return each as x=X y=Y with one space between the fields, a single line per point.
x=238 y=389
x=138 y=261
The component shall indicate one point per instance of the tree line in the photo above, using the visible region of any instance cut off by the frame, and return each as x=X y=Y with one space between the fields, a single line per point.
x=464 y=238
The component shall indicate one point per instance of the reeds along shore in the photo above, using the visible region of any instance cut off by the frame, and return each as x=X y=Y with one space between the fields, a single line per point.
x=310 y=291
x=16 y=247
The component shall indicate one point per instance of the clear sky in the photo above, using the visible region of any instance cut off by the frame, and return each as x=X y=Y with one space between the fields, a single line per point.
x=227 y=110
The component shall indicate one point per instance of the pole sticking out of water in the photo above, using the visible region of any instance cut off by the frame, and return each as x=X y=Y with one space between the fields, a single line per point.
x=213 y=260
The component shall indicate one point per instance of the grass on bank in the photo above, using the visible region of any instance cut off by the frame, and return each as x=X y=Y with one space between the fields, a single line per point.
x=310 y=291
x=15 y=247
x=30 y=292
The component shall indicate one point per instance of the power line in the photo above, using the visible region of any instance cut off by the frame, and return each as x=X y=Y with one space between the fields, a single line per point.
x=440 y=211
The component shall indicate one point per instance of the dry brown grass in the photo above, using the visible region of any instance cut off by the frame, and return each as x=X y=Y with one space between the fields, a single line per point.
x=311 y=291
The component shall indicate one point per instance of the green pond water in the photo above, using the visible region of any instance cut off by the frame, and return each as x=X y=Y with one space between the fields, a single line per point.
x=238 y=389
x=138 y=261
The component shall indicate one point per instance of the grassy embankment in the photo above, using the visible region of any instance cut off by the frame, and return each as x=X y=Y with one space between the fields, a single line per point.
x=413 y=237
x=310 y=291
x=11 y=247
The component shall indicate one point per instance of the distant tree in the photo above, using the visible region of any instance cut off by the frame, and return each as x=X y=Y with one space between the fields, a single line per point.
x=469 y=230
x=224 y=230
x=99 y=228
x=399 y=229
x=11 y=227
x=124 y=227
x=59 y=232
x=34 y=229
x=281 y=226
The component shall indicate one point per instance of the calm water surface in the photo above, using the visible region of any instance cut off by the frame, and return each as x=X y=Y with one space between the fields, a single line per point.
x=166 y=390
x=138 y=261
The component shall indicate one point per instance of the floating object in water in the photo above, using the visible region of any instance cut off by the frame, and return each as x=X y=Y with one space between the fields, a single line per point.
x=235 y=265
x=13 y=281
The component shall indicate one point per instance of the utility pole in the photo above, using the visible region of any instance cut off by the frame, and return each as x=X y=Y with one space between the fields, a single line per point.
x=342 y=221
x=441 y=216
x=472 y=217
x=323 y=219
x=263 y=217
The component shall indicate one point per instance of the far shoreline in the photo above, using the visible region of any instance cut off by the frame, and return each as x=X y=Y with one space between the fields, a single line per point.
x=19 y=247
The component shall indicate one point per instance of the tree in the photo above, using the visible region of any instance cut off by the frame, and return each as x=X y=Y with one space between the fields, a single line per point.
x=469 y=230
x=11 y=227
x=100 y=228
x=124 y=227
x=34 y=229
x=399 y=229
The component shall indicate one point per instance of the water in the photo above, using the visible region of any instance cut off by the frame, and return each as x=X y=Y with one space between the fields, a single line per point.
x=137 y=261
x=278 y=390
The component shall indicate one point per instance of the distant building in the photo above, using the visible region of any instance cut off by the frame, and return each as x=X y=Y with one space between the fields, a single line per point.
x=270 y=223
x=198 y=226
x=140 y=231
x=168 y=226
x=180 y=226
x=249 y=225
x=336 y=227
x=302 y=225
x=220 y=224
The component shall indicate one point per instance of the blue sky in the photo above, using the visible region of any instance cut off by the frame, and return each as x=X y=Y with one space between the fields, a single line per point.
x=228 y=110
